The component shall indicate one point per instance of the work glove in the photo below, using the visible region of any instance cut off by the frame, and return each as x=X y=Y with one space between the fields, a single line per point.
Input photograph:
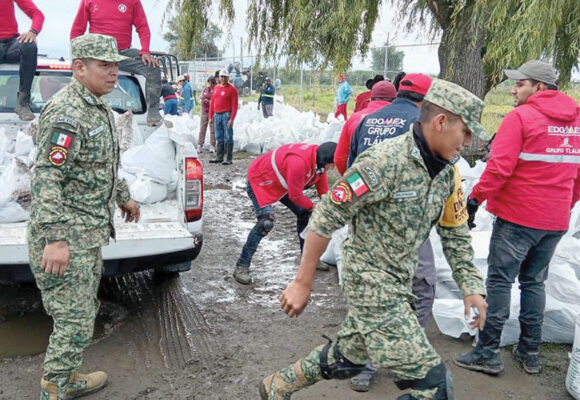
x=472 y=207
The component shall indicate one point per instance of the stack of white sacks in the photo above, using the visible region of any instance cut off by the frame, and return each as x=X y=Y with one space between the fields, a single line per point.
x=149 y=165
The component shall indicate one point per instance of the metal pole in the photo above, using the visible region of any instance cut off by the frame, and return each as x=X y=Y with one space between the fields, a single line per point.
x=301 y=83
x=251 y=74
x=386 y=57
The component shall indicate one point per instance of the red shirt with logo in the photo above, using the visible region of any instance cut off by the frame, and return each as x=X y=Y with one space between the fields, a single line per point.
x=223 y=99
x=343 y=146
x=114 y=18
x=532 y=177
x=362 y=101
x=9 y=25
x=296 y=164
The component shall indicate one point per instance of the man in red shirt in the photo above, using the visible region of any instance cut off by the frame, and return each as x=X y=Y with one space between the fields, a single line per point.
x=223 y=106
x=282 y=175
x=205 y=100
x=531 y=183
x=20 y=48
x=116 y=18
x=382 y=93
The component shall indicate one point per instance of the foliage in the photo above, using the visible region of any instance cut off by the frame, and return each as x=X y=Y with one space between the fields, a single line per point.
x=206 y=48
x=394 y=60
x=315 y=32
x=192 y=21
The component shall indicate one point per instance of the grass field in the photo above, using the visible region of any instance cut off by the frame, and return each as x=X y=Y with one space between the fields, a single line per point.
x=498 y=102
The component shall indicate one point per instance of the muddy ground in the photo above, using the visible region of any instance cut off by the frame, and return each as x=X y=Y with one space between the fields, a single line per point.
x=203 y=336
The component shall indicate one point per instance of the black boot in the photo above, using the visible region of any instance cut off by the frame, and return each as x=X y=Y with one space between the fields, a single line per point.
x=219 y=155
x=22 y=107
x=229 y=150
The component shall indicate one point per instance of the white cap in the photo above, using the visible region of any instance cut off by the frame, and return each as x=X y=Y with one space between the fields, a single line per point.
x=223 y=72
x=180 y=78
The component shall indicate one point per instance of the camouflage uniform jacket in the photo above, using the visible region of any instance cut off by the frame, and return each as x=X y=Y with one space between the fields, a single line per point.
x=75 y=183
x=392 y=204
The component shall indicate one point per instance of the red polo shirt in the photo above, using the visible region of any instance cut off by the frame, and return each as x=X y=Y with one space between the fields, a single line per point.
x=114 y=18
x=9 y=25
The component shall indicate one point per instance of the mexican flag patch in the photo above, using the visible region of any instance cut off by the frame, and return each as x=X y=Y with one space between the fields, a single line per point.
x=61 y=139
x=357 y=184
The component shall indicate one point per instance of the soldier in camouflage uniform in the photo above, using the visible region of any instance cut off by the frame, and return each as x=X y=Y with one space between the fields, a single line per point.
x=391 y=196
x=74 y=190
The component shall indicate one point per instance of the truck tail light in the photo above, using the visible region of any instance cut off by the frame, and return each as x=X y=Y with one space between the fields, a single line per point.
x=193 y=189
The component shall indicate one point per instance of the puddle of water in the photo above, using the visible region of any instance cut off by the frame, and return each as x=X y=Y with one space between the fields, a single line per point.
x=28 y=335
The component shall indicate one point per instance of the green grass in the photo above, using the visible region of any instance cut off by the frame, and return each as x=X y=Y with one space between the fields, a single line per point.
x=320 y=99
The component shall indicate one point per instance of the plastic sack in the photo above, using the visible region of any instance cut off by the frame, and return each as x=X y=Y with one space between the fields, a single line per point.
x=154 y=159
x=573 y=375
x=146 y=191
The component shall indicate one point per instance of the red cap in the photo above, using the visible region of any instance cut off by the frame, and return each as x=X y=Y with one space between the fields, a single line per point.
x=416 y=83
x=383 y=90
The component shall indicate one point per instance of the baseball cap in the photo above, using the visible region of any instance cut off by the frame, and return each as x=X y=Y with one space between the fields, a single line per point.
x=459 y=101
x=383 y=89
x=223 y=72
x=95 y=46
x=268 y=78
x=416 y=83
x=180 y=78
x=533 y=69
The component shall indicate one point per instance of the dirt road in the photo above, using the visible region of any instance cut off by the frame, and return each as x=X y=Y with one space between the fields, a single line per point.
x=203 y=336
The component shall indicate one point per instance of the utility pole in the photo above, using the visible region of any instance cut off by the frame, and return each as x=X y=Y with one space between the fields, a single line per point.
x=301 y=82
x=386 y=58
x=241 y=52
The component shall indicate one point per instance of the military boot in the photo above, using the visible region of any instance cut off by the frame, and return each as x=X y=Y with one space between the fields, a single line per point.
x=229 y=148
x=530 y=361
x=81 y=384
x=242 y=275
x=219 y=155
x=50 y=391
x=281 y=385
x=22 y=107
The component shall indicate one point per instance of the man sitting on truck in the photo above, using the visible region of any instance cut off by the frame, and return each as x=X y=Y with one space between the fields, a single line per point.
x=117 y=19
x=74 y=189
x=20 y=48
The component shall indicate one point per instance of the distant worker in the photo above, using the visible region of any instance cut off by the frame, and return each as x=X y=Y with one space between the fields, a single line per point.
x=171 y=106
x=205 y=100
x=392 y=196
x=223 y=107
x=282 y=175
x=382 y=94
x=363 y=99
x=267 y=98
x=278 y=83
x=342 y=97
x=16 y=48
x=531 y=183
x=186 y=95
x=74 y=188
x=117 y=19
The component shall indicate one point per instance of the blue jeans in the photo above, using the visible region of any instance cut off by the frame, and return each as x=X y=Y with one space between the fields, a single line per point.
x=223 y=133
x=266 y=214
x=170 y=107
x=515 y=249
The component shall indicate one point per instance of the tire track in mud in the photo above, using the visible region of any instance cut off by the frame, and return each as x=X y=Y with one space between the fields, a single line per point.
x=167 y=326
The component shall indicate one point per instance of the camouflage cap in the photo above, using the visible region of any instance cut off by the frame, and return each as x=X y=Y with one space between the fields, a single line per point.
x=98 y=47
x=460 y=101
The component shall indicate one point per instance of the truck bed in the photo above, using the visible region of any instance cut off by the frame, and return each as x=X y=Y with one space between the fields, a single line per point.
x=158 y=232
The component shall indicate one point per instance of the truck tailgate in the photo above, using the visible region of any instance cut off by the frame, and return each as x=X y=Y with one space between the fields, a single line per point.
x=156 y=233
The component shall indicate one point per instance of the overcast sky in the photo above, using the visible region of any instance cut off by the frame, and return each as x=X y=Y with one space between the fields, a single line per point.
x=53 y=40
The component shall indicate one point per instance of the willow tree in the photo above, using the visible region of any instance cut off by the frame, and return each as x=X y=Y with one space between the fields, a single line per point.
x=478 y=37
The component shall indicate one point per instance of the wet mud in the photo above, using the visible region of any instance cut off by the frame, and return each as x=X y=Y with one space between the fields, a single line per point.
x=201 y=335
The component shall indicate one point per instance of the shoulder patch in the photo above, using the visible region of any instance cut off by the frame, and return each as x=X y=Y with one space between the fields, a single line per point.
x=68 y=121
x=370 y=176
x=57 y=155
x=357 y=183
x=455 y=211
x=341 y=193
x=96 y=131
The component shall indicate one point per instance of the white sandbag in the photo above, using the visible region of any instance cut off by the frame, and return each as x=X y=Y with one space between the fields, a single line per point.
x=23 y=145
x=15 y=181
x=449 y=316
x=333 y=253
x=6 y=150
x=13 y=212
x=154 y=159
x=146 y=191
x=573 y=375
x=127 y=176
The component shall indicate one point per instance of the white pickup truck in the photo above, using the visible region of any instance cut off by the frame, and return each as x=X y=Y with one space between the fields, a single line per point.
x=169 y=235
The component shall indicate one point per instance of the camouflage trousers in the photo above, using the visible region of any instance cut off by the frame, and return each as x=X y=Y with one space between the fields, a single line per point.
x=390 y=337
x=71 y=301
